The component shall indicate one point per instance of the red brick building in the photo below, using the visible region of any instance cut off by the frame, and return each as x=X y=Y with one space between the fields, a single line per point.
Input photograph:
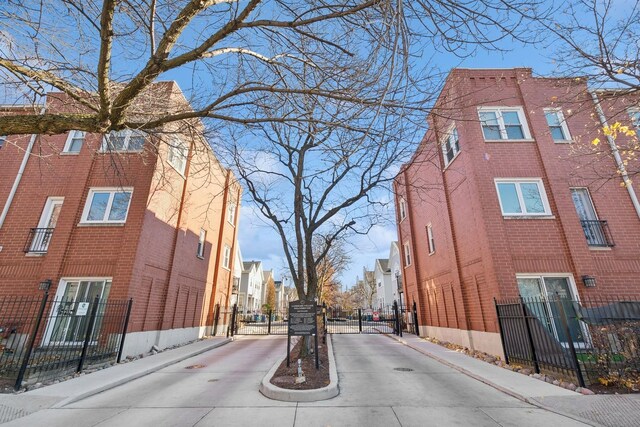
x=151 y=217
x=507 y=195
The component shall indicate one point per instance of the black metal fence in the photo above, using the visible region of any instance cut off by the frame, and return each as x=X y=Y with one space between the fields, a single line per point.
x=383 y=320
x=44 y=338
x=272 y=322
x=587 y=340
x=597 y=233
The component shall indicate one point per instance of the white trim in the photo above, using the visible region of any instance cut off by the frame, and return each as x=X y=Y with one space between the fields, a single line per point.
x=231 y=218
x=402 y=207
x=60 y=291
x=112 y=191
x=202 y=240
x=128 y=133
x=443 y=145
x=573 y=288
x=563 y=125
x=517 y=181
x=181 y=151
x=503 y=131
x=226 y=257
x=70 y=137
x=406 y=255
x=430 y=240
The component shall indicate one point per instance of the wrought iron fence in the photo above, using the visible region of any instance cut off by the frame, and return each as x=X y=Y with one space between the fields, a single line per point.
x=38 y=240
x=272 y=322
x=585 y=340
x=597 y=233
x=44 y=338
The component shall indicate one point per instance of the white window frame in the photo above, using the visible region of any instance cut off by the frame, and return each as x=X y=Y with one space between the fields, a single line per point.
x=518 y=181
x=127 y=137
x=449 y=135
x=407 y=255
x=178 y=150
x=202 y=238
x=231 y=217
x=503 y=129
x=402 y=206
x=431 y=240
x=226 y=257
x=3 y=140
x=62 y=288
x=563 y=125
x=575 y=296
x=632 y=113
x=73 y=135
x=112 y=191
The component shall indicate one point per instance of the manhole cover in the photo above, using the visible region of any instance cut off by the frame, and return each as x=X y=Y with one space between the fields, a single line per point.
x=213 y=380
x=403 y=369
x=194 y=367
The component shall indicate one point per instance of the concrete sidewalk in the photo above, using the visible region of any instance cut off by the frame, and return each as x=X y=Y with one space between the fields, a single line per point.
x=605 y=410
x=14 y=406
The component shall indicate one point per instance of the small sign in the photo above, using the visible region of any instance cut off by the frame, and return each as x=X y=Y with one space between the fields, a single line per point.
x=376 y=316
x=83 y=308
x=302 y=319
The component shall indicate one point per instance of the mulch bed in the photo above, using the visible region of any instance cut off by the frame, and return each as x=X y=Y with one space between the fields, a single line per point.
x=315 y=378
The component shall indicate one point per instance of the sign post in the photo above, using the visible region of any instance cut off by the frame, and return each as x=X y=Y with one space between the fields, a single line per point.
x=302 y=322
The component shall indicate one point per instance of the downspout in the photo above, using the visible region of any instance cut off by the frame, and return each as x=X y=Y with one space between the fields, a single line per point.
x=16 y=183
x=616 y=155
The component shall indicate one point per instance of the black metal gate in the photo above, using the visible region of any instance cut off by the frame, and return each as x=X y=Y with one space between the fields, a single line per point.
x=273 y=322
x=386 y=320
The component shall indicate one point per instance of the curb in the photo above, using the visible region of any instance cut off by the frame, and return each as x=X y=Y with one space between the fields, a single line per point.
x=276 y=393
x=496 y=386
x=135 y=376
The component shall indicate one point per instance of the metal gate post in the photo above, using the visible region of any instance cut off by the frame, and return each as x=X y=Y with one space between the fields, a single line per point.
x=269 y=325
x=504 y=348
x=534 y=356
x=360 y=320
x=216 y=319
x=397 y=320
x=124 y=329
x=232 y=326
x=567 y=332
x=87 y=335
x=27 y=356
x=415 y=320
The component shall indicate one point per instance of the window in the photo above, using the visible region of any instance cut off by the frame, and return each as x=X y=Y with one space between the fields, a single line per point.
x=503 y=123
x=201 y=240
x=403 y=209
x=450 y=147
x=432 y=242
x=595 y=231
x=232 y=213
x=633 y=114
x=123 y=141
x=107 y=206
x=177 y=156
x=226 y=260
x=3 y=139
x=407 y=255
x=557 y=125
x=75 y=296
x=522 y=197
x=539 y=292
x=75 y=139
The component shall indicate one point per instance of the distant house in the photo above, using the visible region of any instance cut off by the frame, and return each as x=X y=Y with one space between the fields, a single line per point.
x=250 y=295
x=395 y=270
x=237 y=276
x=384 y=292
x=267 y=275
x=282 y=301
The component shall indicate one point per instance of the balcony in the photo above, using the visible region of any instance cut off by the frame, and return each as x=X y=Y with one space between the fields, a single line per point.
x=38 y=240
x=597 y=233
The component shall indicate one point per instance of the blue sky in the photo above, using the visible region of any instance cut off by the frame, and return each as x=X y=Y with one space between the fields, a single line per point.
x=259 y=241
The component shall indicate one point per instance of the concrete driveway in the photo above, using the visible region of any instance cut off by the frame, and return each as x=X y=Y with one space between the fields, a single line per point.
x=382 y=383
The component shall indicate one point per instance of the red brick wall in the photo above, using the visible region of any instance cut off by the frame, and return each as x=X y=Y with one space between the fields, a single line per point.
x=478 y=252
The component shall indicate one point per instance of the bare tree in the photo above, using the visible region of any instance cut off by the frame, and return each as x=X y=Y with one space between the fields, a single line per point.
x=106 y=54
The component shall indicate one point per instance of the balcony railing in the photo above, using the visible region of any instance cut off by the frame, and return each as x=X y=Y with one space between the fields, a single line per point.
x=38 y=240
x=597 y=233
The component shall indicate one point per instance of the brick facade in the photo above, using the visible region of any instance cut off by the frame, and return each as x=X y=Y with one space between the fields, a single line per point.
x=152 y=257
x=478 y=250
